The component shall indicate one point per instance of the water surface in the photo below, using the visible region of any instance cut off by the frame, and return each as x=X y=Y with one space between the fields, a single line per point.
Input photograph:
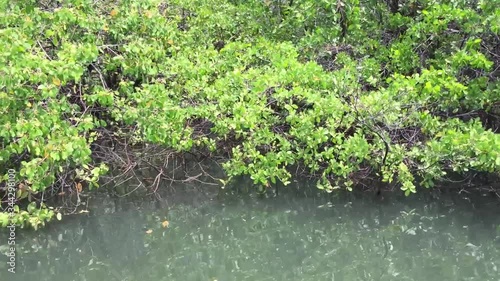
x=301 y=234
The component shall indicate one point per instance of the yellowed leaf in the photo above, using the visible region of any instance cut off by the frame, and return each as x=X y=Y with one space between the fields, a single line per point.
x=56 y=81
x=165 y=224
x=113 y=13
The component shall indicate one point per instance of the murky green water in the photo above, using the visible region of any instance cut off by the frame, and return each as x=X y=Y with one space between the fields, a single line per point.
x=298 y=235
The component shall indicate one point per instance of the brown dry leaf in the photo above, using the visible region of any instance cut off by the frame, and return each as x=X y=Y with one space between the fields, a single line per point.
x=79 y=187
x=149 y=231
x=165 y=224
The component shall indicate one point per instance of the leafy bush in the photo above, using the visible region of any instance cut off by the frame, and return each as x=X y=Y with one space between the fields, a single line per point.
x=406 y=91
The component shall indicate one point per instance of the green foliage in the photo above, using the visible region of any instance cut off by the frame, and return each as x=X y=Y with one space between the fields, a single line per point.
x=336 y=88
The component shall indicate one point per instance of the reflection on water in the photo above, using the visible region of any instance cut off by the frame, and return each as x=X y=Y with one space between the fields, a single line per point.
x=298 y=235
